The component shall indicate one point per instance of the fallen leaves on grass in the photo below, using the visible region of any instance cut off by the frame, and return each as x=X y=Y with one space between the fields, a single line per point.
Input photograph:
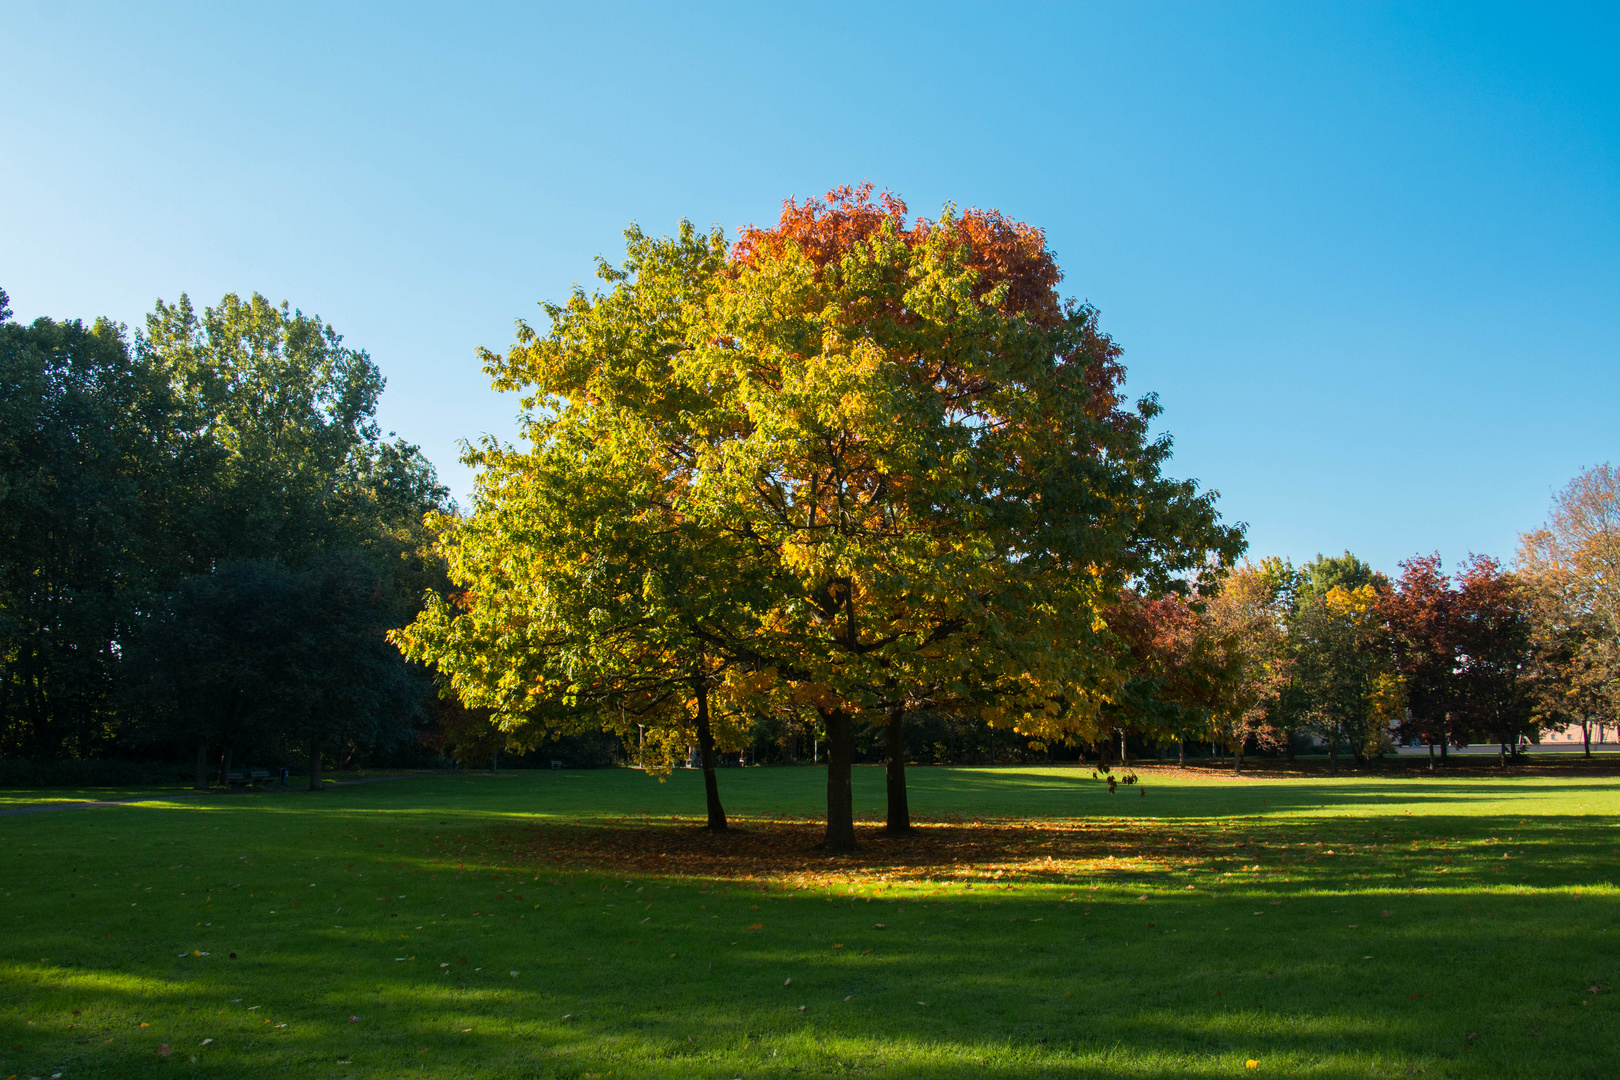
x=1002 y=852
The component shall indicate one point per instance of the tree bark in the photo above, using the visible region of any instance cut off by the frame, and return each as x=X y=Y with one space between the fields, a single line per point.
x=202 y=765
x=711 y=783
x=314 y=764
x=899 y=808
x=840 y=797
x=225 y=768
x=1586 y=734
x=1333 y=752
x=1237 y=758
x=1181 y=745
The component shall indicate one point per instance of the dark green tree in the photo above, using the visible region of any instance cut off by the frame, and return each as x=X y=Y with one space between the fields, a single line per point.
x=98 y=505
x=348 y=687
x=214 y=662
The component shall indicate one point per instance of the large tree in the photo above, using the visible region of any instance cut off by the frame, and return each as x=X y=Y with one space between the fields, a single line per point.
x=1246 y=628
x=252 y=656
x=589 y=593
x=932 y=447
x=213 y=662
x=855 y=465
x=1495 y=649
x=1570 y=568
x=291 y=410
x=1421 y=614
x=1344 y=670
x=242 y=432
x=96 y=476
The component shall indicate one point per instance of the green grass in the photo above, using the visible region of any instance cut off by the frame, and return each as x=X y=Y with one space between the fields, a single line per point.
x=13 y=798
x=1039 y=926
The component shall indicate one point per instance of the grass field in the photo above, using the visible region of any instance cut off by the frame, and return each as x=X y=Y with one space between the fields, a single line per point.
x=578 y=924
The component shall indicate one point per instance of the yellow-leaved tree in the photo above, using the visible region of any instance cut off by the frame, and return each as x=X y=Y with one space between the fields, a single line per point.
x=855 y=464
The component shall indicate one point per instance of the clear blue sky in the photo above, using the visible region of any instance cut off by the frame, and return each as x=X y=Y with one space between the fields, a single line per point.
x=1368 y=255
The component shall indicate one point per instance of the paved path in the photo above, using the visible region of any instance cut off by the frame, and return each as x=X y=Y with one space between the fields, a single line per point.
x=1492 y=749
x=42 y=808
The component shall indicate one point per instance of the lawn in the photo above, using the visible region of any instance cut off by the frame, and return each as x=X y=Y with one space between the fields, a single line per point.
x=578 y=924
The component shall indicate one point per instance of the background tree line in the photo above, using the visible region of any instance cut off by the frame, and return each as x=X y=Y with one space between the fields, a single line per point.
x=1335 y=654
x=203 y=539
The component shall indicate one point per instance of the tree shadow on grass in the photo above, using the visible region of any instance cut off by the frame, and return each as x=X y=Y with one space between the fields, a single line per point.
x=1439 y=852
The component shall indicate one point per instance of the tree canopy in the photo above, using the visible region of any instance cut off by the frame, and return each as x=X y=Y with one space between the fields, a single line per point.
x=899 y=464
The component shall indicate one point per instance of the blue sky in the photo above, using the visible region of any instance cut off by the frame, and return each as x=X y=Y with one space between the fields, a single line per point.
x=1368 y=255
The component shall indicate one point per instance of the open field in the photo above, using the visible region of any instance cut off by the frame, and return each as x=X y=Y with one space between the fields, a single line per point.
x=577 y=924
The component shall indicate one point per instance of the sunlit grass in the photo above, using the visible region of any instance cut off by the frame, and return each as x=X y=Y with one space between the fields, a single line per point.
x=17 y=797
x=1333 y=927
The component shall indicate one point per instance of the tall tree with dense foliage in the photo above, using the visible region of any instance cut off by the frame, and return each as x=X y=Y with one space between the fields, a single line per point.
x=1245 y=623
x=1209 y=666
x=94 y=472
x=932 y=448
x=590 y=590
x=290 y=408
x=900 y=463
x=1496 y=659
x=1345 y=670
x=212 y=662
x=243 y=433
x=1421 y=614
x=1570 y=569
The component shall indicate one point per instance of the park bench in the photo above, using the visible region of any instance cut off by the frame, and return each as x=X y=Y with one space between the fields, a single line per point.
x=248 y=778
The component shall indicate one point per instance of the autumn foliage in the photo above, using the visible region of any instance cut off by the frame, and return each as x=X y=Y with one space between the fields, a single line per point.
x=851 y=467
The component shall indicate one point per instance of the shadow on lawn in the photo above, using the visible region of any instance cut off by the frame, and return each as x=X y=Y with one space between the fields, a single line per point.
x=956 y=984
x=1123 y=972
x=1428 y=851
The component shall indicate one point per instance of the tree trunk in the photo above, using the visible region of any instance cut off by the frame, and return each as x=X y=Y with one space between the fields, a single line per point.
x=1333 y=752
x=225 y=769
x=1237 y=757
x=1501 y=755
x=1431 y=755
x=1181 y=752
x=711 y=783
x=314 y=764
x=202 y=765
x=840 y=798
x=1586 y=734
x=899 y=809
x=1122 y=756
